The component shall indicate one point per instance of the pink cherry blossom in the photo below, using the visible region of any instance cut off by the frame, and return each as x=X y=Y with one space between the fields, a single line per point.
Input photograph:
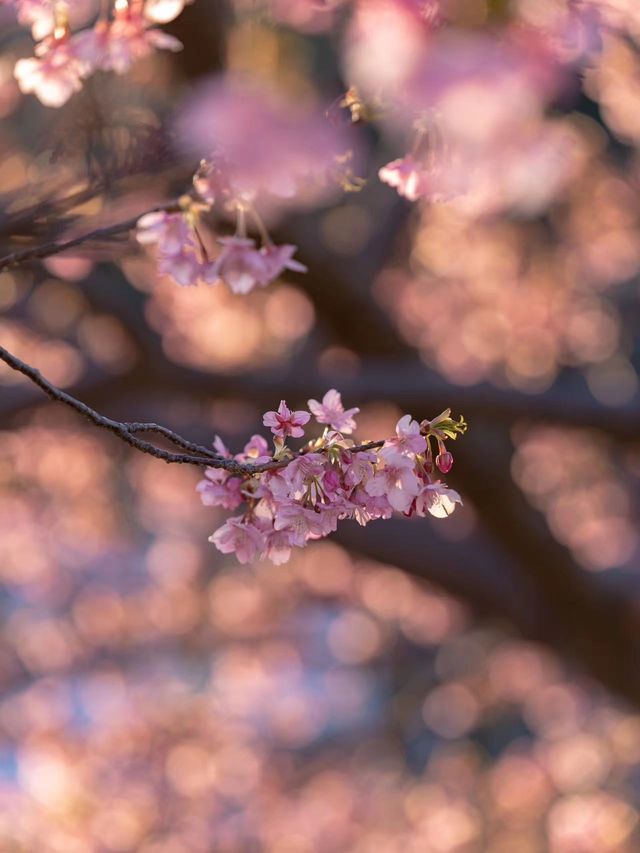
x=275 y=487
x=437 y=499
x=278 y=546
x=300 y=523
x=304 y=470
x=284 y=422
x=239 y=265
x=396 y=480
x=411 y=179
x=357 y=467
x=53 y=75
x=178 y=254
x=129 y=38
x=163 y=11
x=63 y=60
x=242 y=266
x=331 y=482
x=39 y=15
x=332 y=412
x=408 y=438
x=277 y=259
x=239 y=537
x=272 y=146
x=169 y=230
x=184 y=268
x=370 y=507
x=328 y=481
x=256 y=450
x=219 y=489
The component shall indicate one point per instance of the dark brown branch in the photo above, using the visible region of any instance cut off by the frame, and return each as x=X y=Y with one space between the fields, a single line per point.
x=127 y=432
x=46 y=250
x=176 y=439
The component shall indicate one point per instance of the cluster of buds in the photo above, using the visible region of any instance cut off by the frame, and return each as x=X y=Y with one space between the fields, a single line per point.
x=64 y=59
x=238 y=262
x=291 y=498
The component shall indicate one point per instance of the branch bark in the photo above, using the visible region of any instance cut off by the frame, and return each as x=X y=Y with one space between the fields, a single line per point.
x=128 y=432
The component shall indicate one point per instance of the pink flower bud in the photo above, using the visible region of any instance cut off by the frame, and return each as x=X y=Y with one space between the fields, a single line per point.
x=444 y=461
x=331 y=482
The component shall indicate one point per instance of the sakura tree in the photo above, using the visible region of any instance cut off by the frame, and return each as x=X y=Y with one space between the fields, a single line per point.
x=266 y=242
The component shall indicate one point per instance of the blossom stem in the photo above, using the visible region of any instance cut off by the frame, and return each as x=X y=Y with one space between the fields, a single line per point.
x=46 y=250
x=262 y=229
x=241 y=220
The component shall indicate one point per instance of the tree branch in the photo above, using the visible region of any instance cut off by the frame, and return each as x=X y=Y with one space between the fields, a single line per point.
x=46 y=250
x=127 y=432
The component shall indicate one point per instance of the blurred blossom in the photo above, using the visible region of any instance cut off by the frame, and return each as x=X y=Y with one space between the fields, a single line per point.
x=590 y=822
x=383 y=28
x=263 y=142
x=309 y=16
x=574 y=478
x=622 y=15
x=498 y=300
x=610 y=82
x=185 y=704
x=213 y=328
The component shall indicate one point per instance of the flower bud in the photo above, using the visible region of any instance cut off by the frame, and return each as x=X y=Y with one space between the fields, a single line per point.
x=331 y=482
x=444 y=461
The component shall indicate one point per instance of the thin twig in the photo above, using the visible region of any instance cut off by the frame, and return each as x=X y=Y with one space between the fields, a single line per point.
x=200 y=456
x=178 y=440
x=46 y=250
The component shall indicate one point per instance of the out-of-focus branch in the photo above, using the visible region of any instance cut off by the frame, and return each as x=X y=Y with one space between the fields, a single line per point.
x=127 y=432
x=46 y=250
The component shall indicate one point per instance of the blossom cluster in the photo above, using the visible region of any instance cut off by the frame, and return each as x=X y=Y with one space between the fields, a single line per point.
x=239 y=262
x=470 y=109
x=63 y=60
x=290 y=498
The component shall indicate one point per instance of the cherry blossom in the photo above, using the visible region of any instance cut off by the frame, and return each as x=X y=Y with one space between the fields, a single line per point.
x=411 y=179
x=299 y=523
x=239 y=265
x=219 y=489
x=286 y=158
x=284 y=422
x=238 y=537
x=178 y=253
x=255 y=450
x=53 y=75
x=396 y=481
x=242 y=266
x=436 y=499
x=163 y=11
x=130 y=38
x=63 y=59
x=409 y=438
x=37 y=14
x=116 y=46
x=277 y=259
x=332 y=412
x=303 y=470
x=304 y=496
